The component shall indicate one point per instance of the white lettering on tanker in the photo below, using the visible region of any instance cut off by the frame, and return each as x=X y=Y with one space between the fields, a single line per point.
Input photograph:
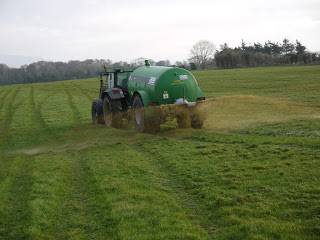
x=152 y=81
x=183 y=77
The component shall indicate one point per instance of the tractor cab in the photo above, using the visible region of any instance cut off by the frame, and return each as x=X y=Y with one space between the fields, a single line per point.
x=114 y=80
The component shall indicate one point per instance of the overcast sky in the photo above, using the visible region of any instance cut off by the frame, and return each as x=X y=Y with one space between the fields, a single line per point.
x=157 y=29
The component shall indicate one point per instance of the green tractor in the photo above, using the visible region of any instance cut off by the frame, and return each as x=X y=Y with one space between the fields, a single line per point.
x=149 y=95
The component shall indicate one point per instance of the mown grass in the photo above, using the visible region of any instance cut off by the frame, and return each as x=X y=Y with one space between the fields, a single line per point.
x=253 y=172
x=299 y=83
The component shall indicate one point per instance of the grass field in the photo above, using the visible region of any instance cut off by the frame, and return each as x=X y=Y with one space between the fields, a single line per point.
x=253 y=172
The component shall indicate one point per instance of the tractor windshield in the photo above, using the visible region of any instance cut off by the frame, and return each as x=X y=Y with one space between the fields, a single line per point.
x=123 y=79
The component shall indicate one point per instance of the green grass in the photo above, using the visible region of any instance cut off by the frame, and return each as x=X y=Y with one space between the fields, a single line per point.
x=253 y=172
x=294 y=83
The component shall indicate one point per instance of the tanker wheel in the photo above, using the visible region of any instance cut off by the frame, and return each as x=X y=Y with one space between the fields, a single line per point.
x=96 y=112
x=112 y=113
x=183 y=119
x=197 y=117
x=143 y=123
x=153 y=119
x=196 y=121
x=139 y=118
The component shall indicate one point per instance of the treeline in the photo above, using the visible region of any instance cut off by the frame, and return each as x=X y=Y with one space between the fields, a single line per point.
x=267 y=54
x=44 y=71
x=50 y=71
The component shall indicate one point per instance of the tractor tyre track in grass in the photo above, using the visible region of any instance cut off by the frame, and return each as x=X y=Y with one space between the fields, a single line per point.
x=4 y=97
x=12 y=182
x=74 y=202
x=75 y=112
x=16 y=213
x=67 y=201
x=11 y=108
x=194 y=210
x=10 y=111
x=83 y=92
x=3 y=121
x=5 y=162
x=222 y=176
x=36 y=110
x=4 y=94
x=48 y=197
x=39 y=112
x=89 y=211
x=131 y=181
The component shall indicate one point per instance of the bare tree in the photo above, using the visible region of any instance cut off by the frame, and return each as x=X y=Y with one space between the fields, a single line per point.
x=202 y=53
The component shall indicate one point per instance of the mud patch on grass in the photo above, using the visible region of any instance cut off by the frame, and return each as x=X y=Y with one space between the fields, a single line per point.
x=55 y=149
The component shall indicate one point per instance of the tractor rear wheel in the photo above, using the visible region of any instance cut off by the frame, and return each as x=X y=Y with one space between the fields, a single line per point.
x=112 y=113
x=96 y=112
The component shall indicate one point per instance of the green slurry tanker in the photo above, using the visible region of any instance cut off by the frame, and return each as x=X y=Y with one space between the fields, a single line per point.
x=150 y=95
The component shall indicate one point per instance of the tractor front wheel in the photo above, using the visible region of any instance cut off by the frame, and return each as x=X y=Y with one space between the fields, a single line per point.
x=97 y=112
